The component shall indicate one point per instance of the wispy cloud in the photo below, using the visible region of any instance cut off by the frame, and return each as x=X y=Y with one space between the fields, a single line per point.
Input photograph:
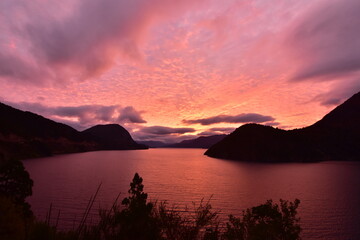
x=207 y=133
x=338 y=93
x=325 y=41
x=225 y=130
x=216 y=131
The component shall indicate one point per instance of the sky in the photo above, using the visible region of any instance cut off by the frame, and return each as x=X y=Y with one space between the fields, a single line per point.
x=170 y=70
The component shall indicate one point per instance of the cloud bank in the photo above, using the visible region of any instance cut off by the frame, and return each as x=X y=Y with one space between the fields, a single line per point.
x=241 y=118
x=223 y=130
x=160 y=130
x=161 y=133
x=76 y=40
x=129 y=114
x=81 y=117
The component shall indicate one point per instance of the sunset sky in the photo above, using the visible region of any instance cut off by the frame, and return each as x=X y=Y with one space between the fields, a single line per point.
x=171 y=69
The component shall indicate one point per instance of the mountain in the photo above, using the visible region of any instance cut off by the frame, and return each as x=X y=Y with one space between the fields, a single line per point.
x=200 y=142
x=258 y=143
x=337 y=134
x=335 y=137
x=152 y=144
x=28 y=135
x=113 y=137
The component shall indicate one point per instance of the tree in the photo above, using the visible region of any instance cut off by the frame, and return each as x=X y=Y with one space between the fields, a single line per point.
x=136 y=202
x=16 y=184
x=135 y=220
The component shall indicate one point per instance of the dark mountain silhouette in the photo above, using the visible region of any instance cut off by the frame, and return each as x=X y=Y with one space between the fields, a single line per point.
x=337 y=134
x=28 y=135
x=335 y=137
x=152 y=144
x=113 y=137
x=200 y=142
x=27 y=124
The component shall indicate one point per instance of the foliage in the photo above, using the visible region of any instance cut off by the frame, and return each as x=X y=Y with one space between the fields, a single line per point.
x=15 y=213
x=16 y=184
x=139 y=219
x=267 y=221
x=12 y=222
x=201 y=223
x=136 y=218
x=43 y=231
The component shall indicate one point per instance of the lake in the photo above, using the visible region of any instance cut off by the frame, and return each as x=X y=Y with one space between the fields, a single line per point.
x=329 y=191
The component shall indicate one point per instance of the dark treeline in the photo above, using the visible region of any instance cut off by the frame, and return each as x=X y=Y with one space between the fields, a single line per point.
x=137 y=218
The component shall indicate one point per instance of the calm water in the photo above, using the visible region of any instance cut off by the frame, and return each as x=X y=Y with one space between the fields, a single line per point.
x=329 y=191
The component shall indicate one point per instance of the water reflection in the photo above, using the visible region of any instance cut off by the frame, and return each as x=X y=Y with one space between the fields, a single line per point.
x=328 y=191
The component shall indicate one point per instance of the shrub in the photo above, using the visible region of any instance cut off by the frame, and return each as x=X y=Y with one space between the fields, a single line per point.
x=267 y=221
x=12 y=222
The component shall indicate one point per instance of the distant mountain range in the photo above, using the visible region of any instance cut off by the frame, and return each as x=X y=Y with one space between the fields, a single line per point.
x=335 y=137
x=200 y=142
x=153 y=144
x=28 y=135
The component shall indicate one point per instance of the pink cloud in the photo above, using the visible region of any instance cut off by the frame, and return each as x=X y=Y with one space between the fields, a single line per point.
x=162 y=133
x=129 y=114
x=240 y=118
x=81 y=117
x=81 y=41
x=180 y=59
x=161 y=130
x=338 y=92
x=325 y=41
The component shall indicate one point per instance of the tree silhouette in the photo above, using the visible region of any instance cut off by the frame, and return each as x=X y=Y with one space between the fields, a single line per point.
x=266 y=221
x=16 y=184
x=136 y=202
x=135 y=220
